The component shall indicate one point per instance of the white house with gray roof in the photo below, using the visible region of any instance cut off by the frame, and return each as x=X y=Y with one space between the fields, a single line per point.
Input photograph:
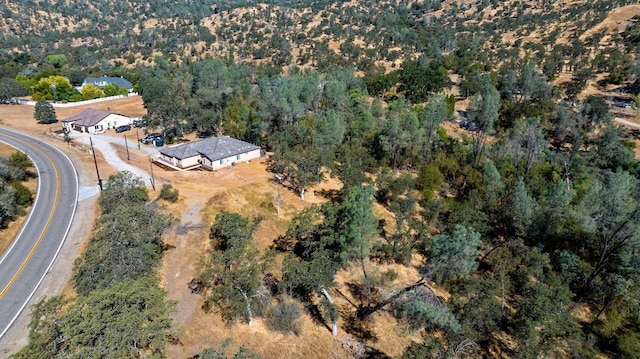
x=211 y=153
x=103 y=81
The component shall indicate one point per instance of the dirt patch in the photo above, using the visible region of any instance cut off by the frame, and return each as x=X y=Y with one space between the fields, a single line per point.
x=616 y=21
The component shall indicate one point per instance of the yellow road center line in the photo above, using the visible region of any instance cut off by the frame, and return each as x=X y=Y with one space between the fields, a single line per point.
x=44 y=230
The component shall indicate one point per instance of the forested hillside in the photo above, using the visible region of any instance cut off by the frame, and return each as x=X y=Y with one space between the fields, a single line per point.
x=322 y=34
x=522 y=228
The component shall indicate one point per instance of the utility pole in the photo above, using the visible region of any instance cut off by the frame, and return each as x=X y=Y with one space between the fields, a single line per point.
x=138 y=139
x=96 y=163
x=153 y=181
x=126 y=145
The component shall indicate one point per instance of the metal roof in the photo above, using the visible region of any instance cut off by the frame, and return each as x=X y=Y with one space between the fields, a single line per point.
x=214 y=148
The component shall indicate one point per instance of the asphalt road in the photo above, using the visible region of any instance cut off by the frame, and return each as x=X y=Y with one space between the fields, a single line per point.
x=30 y=257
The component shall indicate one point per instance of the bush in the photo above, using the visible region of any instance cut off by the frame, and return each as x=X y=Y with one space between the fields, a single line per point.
x=629 y=345
x=415 y=350
x=283 y=317
x=22 y=195
x=168 y=193
x=20 y=160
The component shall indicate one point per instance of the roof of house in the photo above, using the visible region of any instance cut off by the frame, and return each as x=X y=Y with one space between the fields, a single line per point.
x=101 y=81
x=214 y=148
x=88 y=117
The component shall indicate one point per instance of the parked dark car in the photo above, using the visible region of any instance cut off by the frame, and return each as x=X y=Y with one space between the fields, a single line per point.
x=150 y=138
x=469 y=125
x=123 y=128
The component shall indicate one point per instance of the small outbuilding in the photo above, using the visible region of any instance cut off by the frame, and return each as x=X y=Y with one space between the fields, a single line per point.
x=94 y=121
x=211 y=153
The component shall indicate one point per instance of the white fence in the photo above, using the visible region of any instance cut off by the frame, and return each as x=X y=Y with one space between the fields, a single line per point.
x=80 y=103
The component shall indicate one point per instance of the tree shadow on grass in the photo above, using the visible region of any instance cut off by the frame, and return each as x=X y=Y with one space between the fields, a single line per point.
x=373 y=353
x=330 y=194
x=362 y=293
x=316 y=315
x=360 y=329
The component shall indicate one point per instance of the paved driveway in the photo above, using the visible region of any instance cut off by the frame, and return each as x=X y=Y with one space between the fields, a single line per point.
x=103 y=143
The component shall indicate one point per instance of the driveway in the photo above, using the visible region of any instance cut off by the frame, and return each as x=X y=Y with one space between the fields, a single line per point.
x=627 y=122
x=104 y=144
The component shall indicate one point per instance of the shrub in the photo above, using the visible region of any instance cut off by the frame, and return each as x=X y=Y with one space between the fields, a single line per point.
x=168 y=193
x=284 y=316
x=20 y=160
x=629 y=345
x=22 y=195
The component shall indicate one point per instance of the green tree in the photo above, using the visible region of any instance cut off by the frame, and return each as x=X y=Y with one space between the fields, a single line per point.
x=522 y=208
x=455 y=254
x=544 y=324
x=400 y=134
x=527 y=143
x=127 y=244
x=44 y=113
x=318 y=256
x=223 y=352
x=304 y=166
x=7 y=204
x=420 y=308
x=75 y=75
x=418 y=80
x=23 y=194
x=233 y=272
x=360 y=226
x=429 y=180
x=56 y=60
x=129 y=319
x=113 y=90
x=232 y=230
x=430 y=118
x=123 y=187
x=90 y=92
x=610 y=213
x=10 y=88
x=484 y=112
x=53 y=87
x=47 y=338
x=329 y=130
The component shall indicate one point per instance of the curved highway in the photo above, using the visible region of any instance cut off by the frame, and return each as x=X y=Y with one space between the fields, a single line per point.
x=31 y=255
